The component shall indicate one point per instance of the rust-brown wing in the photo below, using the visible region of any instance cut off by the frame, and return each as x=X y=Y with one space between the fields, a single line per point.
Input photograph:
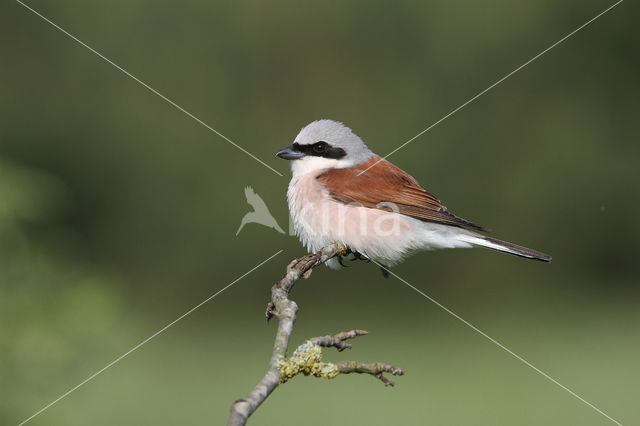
x=386 y=187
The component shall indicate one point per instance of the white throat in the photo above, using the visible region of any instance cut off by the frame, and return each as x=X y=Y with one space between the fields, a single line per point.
x=314 y=164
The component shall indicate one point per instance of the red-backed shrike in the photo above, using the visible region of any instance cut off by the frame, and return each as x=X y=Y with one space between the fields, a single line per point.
x=382 y=214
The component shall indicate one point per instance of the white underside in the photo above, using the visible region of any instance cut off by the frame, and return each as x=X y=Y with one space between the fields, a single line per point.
x=383 y=236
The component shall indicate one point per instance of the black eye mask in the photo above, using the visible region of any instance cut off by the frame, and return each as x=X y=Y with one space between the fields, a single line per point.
x=320 y=149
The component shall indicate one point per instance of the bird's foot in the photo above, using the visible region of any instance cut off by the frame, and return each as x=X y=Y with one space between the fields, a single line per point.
x=344 y=251
x=359 y=256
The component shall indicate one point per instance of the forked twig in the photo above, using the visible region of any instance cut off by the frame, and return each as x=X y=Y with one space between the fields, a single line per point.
x=307 y=358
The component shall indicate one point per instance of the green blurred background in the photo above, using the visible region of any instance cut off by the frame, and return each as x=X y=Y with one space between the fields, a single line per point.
x=118 y=213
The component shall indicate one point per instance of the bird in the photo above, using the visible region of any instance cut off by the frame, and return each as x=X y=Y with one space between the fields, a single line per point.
x=261 y=213
x=342 y=192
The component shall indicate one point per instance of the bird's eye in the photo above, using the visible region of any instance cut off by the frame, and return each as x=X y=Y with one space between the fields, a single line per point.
x=320 y=147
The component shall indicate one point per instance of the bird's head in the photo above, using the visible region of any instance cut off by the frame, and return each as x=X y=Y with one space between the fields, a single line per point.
x=325 y=144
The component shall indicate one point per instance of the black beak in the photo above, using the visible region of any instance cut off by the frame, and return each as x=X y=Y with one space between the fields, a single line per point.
x=289 y=153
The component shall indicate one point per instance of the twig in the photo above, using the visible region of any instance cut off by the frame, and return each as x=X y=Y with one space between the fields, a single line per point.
x=338 y=341
x=307 y=357
x=376 y=369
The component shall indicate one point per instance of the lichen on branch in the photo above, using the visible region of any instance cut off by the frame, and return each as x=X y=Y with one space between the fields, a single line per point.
x=306 y=359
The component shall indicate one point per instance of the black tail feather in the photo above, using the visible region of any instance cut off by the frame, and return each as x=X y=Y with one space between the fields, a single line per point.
x=516 y=250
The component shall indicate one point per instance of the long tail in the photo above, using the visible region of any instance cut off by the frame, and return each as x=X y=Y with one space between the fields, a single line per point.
x=504 y=246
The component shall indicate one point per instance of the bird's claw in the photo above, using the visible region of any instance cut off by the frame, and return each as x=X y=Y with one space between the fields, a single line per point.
x=359 y=256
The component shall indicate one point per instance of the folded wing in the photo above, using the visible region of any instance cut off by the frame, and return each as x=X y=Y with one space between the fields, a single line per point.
x=386 y=187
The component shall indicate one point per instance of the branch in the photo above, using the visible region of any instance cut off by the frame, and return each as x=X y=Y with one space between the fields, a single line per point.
x=307 y=357
x=376 y=369
x=338 y=341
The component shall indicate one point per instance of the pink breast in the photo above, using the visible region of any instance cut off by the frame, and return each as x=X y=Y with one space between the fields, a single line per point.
x=320 y=220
